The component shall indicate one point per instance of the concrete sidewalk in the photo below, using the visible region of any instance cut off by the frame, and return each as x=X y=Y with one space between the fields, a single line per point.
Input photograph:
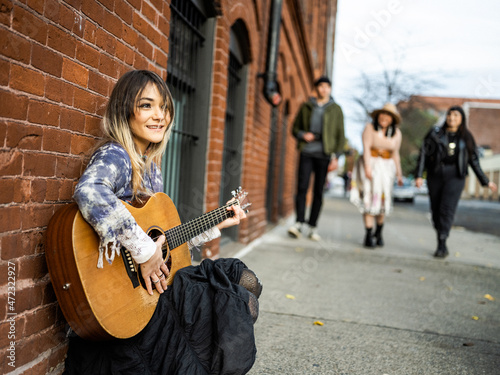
x=393 y=310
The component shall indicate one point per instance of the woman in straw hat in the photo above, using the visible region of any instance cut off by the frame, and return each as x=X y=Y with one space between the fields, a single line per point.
x=375 y=171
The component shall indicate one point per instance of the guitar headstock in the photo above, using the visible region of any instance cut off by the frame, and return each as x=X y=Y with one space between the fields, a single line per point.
x=240 y=196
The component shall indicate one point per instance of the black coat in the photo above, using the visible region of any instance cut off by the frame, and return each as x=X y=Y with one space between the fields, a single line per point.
x=435 y=148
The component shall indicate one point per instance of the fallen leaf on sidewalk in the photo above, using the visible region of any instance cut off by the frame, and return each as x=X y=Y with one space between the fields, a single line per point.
x=475 y=318
x=458 y=255
x=318 y=323
x=299 y=249
x=422 y=278
x=289 y=296
x=489 y=297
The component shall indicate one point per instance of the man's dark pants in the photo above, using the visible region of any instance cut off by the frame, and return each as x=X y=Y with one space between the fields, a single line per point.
x=308 y=165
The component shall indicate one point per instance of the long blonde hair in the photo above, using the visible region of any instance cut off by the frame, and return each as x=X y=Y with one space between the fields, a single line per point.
x=121 y=107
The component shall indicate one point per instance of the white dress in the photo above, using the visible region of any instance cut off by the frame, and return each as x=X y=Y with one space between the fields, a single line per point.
x=374 y=197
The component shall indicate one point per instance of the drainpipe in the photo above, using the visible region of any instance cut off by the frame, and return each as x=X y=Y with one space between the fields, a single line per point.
x=271 y=86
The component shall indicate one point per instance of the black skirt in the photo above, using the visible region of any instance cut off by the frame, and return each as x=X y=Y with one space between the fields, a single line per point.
x=202 y=325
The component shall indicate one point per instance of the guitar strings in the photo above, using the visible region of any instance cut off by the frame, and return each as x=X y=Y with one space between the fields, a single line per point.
x=179 y=234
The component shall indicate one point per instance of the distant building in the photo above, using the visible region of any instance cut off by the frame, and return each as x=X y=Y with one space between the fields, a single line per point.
x=483 y=116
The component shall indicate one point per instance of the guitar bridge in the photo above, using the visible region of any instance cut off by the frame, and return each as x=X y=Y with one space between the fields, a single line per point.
x=130 y=267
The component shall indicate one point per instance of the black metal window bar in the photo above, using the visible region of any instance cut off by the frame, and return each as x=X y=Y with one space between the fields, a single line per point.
x=231 y=157
x=185 y=41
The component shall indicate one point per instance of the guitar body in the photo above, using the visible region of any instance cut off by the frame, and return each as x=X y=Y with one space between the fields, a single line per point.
x=102 y=303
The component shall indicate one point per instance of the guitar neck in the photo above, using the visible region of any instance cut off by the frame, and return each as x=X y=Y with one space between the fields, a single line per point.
x=182 y=233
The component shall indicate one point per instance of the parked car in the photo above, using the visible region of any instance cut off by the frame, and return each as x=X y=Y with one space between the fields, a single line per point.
x=406 y=192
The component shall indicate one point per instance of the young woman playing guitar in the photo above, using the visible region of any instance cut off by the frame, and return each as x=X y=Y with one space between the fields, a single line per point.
x=203 y=322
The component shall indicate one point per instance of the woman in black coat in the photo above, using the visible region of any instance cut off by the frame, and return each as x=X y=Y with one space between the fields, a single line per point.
x=446 y=153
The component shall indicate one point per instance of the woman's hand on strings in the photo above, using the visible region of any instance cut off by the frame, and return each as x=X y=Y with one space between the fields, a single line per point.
x=239 y=215
x=154 y=271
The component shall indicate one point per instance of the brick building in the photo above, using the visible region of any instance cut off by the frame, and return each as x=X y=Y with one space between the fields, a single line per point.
x=58 y=63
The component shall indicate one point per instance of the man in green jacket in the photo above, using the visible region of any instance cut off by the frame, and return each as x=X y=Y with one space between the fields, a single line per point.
x=319 y=129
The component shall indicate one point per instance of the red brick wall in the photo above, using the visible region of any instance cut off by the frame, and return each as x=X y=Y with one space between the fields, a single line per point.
x=58 y=63
x=484 y=124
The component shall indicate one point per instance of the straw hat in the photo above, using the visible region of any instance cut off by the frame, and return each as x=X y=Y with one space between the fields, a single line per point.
x=390 y=109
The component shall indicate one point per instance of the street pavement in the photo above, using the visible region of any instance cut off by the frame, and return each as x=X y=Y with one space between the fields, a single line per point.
x=334 y=307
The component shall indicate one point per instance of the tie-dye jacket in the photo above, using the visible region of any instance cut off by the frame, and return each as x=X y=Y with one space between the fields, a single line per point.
x=105 y=182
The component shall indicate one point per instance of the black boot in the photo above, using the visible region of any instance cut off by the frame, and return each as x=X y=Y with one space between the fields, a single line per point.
x=369 y=241
x=442 y=250
x=378 y=235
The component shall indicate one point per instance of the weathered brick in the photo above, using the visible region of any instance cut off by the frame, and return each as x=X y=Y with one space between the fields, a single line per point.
x=105 y=41
x=124 y=11
x=46 y=60
x=52 y=10
x=94 y=11
x=24 y=136
x=68 y=167
x=10 y=218
x=87 y=55
x=145 y=48
x=7 y=189
x=4 y=73
x=33 y=268
x=53 y=89
x=136 y=4
x=11 y=163
x=99 y=83
x=62 y=41
x=66 y=190
x=38 y=190
x=57 y=355
x=93 y=126
x=7 y=9
x=56 y=140
x=26 y=80
x=28 y=24
x=43 y=113
x=108 y=66
x=140 y=24
x=80 y=145
x=41 y=165
x=68 y=93
x=36 y=215
x=149 y=12
x=89 y=31
x=36 y=5
x=113 y=24
x=72 y=120
x=14 y=47
x=124 y=53
x=85 y=100
x=13 y=106
x=75 y=73
x=130 y=36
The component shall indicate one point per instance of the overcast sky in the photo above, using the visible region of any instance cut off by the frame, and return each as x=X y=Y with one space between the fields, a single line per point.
x=456 y=43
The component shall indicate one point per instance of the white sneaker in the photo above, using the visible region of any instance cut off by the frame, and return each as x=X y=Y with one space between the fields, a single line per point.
x=295 y=230
x=313 y=234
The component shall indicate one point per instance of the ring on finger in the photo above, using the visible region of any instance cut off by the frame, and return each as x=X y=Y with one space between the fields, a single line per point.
x=156 y=282
x=162 y=276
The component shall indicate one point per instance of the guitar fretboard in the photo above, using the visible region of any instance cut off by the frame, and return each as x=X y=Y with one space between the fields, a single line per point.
x=182 y=233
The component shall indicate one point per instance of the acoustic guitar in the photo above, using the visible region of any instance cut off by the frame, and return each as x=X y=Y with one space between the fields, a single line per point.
x=112 y=302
